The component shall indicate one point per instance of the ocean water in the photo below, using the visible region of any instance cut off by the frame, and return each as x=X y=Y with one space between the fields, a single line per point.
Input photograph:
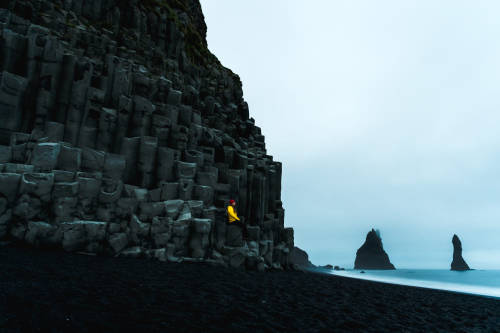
x=478 y=282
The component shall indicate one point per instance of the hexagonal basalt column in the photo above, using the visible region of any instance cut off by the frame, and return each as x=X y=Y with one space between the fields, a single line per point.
x=234 y=235
x=12 y=88
x=199 y=240
x=114 y=166
x=9 y=185
x=45 y=156
x=130 y=150
x=204 y=193
x=169 y=191
x=141 y=118
x=108 y=119
x=161 y=129
x=194 y=156
x=166 y=160
x=147 y=160
x=70 y=158
x=185 y=170
x=186 y=188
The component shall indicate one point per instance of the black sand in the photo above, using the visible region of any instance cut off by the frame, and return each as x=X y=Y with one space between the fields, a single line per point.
x=46 y=291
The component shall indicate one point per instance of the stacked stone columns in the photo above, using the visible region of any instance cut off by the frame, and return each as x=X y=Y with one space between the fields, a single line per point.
x=115 y=138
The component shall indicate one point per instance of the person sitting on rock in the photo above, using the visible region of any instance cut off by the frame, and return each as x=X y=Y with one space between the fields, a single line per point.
x=233 y=218
x=232 y=214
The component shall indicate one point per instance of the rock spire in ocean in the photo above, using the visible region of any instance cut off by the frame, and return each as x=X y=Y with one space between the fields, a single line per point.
x=458 y=263
x=371 y=254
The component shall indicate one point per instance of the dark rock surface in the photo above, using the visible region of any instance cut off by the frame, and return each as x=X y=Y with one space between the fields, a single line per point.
x=45 y=291
x=458 y=263
x=120 y=133
x=300 y=258
x=371 y=254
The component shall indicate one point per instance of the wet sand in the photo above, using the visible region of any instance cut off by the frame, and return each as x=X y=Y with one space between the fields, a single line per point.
x=48 y=291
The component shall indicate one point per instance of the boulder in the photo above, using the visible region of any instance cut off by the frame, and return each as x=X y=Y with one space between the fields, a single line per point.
x=180 y=235
x=118 y=241
x=161 y=231
x=43 y=234
x=138 y=231
x=236 y=256
x=132 y=252
x=83 y=235
x=27 y=207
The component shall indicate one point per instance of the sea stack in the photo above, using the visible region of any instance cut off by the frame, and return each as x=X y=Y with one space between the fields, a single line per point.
x=371 y=254
x=458 y=263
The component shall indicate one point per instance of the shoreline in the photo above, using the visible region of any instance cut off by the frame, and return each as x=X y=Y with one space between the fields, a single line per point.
x=56 y=291
x=438 y=285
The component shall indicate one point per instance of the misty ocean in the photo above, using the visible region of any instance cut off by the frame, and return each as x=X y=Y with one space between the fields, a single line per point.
x=479 y=282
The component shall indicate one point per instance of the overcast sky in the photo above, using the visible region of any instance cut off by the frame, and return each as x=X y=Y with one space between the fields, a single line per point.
x=385 y=114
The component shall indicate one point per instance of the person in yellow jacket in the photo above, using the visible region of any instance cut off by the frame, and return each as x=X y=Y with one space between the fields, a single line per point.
x=234 y=219
x=231 y=212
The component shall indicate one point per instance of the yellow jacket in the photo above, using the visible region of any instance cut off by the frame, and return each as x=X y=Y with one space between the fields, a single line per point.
x=231 y=214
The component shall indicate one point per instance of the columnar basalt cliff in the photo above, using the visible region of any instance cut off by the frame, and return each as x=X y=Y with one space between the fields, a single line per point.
x=458 y=263
x=371 y=254
x=121 y=133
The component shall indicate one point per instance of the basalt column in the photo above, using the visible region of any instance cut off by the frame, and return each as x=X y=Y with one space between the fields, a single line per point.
x=122 y=134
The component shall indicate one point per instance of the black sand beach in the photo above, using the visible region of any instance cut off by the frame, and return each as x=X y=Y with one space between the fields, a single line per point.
x=44 y=291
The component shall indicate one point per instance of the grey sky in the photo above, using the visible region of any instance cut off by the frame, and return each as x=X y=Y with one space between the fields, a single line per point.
x=385 y=114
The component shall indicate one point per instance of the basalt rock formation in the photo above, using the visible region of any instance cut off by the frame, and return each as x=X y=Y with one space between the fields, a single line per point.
x=371 y=254
x=299 y=258
x=458 y=263
x=120 y=133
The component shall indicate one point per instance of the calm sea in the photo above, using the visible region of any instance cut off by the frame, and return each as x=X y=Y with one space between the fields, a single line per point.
x=479 y=282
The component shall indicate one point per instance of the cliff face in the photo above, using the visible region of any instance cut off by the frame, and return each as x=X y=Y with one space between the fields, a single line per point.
x=458 y=263
x=299 y=258
x=121 y=133
x=371 y=254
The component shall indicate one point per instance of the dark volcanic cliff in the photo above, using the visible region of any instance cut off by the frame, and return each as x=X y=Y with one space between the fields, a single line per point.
x=121 y=133
x=458 y=263
x=371 y=254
